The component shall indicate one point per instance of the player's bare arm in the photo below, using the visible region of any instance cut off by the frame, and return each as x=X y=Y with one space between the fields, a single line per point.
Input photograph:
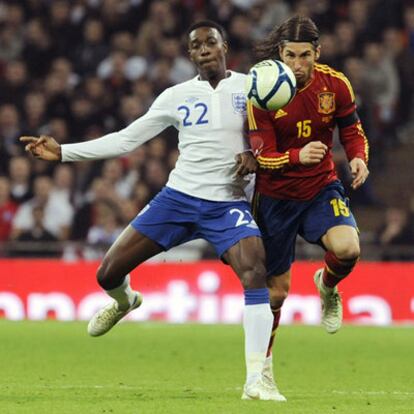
x=43 y=147
x=359 y=171
x=246 y=163
x=312 y=153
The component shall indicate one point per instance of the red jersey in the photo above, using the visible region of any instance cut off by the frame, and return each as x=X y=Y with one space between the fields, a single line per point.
x=325 y=102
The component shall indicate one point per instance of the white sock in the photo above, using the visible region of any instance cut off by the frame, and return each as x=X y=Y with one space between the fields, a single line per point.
x=123 y=294
x=269 y=362
x=257 y=323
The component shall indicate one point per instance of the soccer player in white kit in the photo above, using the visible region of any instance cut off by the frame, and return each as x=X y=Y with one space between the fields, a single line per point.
x=203 y=198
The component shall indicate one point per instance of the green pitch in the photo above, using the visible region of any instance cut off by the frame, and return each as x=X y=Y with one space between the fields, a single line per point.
x=55 y=368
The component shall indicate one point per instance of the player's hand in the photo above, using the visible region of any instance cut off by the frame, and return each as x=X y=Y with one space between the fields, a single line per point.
x=312 y=153
x=246 y=163
x=359 y=172
x=43 y=147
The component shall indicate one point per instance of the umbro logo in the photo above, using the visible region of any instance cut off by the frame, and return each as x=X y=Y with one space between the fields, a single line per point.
x=192 y=99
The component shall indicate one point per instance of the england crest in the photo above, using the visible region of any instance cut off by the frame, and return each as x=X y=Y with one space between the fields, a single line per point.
x=239 y=102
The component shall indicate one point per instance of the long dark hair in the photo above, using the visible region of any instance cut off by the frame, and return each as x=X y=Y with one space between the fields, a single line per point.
x=295 y=29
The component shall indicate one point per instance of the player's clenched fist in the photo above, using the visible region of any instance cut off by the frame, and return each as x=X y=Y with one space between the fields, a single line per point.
x=246 y=163
x=43 y=147
x=312 y=153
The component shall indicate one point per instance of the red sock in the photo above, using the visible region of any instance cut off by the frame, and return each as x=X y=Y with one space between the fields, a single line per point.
x=276 y=319
x=335 y=270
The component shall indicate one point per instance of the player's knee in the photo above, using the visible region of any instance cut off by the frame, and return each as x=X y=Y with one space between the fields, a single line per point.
x=254 y=276
x=348 y=252
x=277 y=296
x=106 y=275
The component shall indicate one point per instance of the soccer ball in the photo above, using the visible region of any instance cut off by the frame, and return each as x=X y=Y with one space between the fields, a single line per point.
x=270 y=85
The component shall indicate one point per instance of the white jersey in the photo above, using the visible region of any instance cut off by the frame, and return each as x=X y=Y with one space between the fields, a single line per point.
x=211 y=132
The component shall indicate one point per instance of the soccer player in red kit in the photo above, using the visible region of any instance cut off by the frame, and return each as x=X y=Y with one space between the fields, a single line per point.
x=297 y=188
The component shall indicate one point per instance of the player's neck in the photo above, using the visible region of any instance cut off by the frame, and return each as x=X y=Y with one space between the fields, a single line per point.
x=214 y=79
x=305 y=84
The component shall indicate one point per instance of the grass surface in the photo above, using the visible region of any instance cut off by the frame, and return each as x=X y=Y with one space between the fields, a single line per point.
x=55 y=368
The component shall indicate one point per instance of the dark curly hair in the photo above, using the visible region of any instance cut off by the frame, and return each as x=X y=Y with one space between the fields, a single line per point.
x=208 y=23
x=295 y=29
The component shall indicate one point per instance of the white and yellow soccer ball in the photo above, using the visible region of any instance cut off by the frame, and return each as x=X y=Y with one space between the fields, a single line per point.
x=270 y=85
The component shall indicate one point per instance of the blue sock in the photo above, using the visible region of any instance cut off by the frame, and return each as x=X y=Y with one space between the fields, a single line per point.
x=256 y=296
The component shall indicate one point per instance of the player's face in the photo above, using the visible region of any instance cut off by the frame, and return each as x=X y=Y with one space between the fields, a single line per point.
x=301 y=58
x=207 y=50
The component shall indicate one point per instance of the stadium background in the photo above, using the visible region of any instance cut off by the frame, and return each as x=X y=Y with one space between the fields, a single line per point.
x=77 y=70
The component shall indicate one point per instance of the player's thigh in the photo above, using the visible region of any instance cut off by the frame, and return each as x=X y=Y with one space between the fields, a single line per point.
x=343 y=241
x=168 y=219
x=130 y=249
x=279 y=286
x=279 y=222
x=328 y=210
x=225 y=224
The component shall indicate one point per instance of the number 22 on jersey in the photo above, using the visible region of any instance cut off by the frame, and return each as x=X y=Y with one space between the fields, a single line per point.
x=194 y=115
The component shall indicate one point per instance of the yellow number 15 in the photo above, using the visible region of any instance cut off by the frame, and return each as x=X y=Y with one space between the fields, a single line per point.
x=339 y=207
x=304 y=128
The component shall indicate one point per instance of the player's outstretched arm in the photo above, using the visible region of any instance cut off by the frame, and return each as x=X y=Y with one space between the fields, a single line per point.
x=43 y=147
x=359 y=171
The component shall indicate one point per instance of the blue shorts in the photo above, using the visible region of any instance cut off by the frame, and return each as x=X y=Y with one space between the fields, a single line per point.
x=172 y=218
x=282 y=220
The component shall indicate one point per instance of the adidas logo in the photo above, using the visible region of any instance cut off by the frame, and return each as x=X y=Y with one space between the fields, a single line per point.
x=280 y=113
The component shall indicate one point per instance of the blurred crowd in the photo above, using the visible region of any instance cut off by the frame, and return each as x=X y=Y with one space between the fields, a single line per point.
x=79 y=69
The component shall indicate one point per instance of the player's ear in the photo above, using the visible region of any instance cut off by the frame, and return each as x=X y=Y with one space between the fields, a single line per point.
x=317 y=52
x=225 y=47
x=189 y=53
x=280 y=50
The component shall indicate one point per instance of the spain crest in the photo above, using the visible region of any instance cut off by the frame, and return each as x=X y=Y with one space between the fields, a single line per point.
x=239 y=102
x=326 y=102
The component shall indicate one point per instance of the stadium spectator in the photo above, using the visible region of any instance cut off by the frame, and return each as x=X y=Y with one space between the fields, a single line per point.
x=34 y=107
x=11 y=43
x=20 y=179
x=37 y=240
x=395 y=50
x=105 y=230
x=160 y=22
x=120 y=67
x=130 y=109
x=62 y=30
x=10 y=129
x=64 y=184
x=141 y=195
x=397 y=232
x=381 y=77
x=143 y=89
x=56 y=214
x=38 y=49
x=409 y=27
x=180 y=67
x=113 y=175
x=92 y=49
x=85 y=214
x=7 y=209
x=15 y=84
